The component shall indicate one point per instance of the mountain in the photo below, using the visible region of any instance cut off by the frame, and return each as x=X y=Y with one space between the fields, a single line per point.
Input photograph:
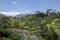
x=4 y=15
x=25 y=14
x=20 y=15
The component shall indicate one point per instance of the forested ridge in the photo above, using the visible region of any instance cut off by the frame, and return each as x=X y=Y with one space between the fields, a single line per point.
x=45 y=25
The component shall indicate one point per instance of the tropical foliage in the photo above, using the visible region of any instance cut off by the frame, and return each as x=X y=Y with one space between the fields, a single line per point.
x=45 y=25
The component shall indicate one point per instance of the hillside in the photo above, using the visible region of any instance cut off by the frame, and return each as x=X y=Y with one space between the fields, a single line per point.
x=44 y=26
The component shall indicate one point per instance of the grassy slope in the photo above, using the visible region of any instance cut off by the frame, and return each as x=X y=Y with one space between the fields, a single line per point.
x=32 y=23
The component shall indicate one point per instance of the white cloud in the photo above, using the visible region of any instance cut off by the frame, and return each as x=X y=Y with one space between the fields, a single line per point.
x=14 y=13
x=10 y=13
x=14 y=2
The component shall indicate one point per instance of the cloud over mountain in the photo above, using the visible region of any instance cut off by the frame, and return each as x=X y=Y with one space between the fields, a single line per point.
x=10 y=13
x=14 y=13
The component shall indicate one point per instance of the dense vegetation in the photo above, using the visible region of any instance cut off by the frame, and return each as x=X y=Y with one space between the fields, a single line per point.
x=45 y=25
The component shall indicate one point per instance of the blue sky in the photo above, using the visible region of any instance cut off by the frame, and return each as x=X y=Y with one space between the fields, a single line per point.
x=24 y=6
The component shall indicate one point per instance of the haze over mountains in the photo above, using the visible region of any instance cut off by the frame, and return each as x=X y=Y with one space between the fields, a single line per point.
x=15 y=14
